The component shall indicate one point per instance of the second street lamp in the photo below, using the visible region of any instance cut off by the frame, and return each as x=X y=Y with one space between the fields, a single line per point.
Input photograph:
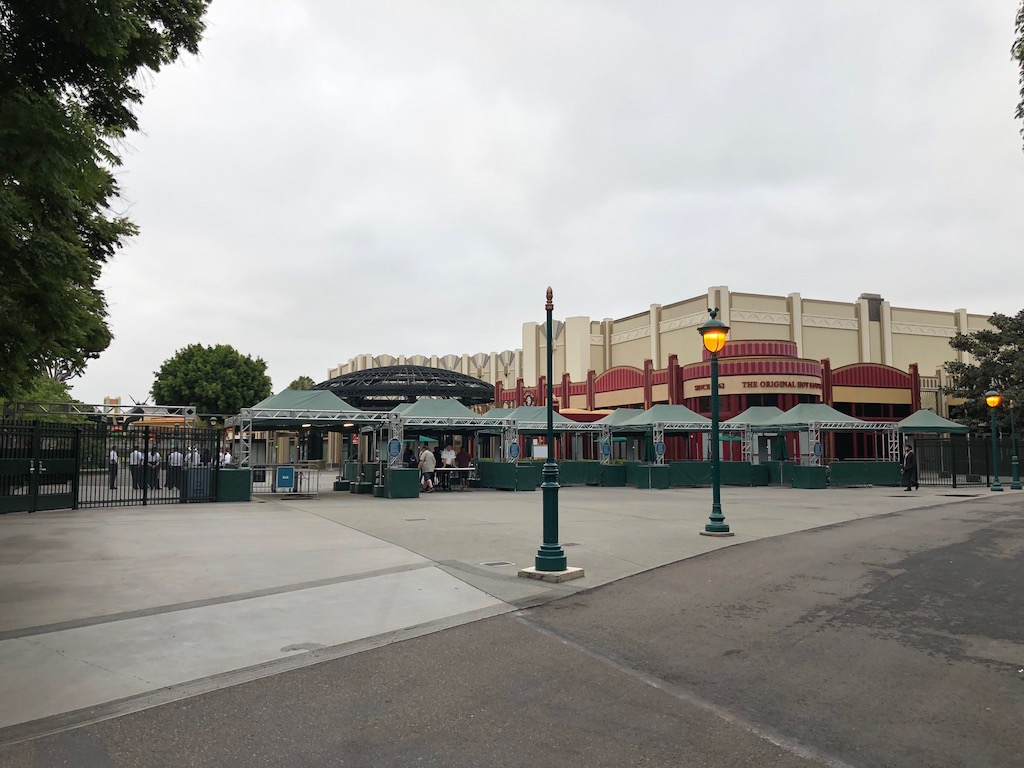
x=993 y=399
x=714 y=334
x=1014 y=464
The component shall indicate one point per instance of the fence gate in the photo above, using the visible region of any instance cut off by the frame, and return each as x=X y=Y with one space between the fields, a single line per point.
x=38 y=467
x=71 y=466
x=957 y=461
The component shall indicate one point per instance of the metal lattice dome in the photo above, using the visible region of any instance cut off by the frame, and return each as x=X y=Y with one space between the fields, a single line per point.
x=384 y=388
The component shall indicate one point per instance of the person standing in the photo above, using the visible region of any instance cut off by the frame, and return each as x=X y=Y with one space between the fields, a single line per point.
x=153 y=465
x=113 y=459
x=409 y=458
x=136 y=463
x=427 y=464
x=175 y=460
x=225 y=457
x=462 y=462
x=447 y=465
x=910 y=469
x=193 y=457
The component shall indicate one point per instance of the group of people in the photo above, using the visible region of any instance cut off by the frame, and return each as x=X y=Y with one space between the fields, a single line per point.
x=144 y=466
x=438 y=467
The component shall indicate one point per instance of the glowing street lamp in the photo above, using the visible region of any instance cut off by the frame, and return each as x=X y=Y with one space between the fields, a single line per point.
x=993 y=399
x=715 y=333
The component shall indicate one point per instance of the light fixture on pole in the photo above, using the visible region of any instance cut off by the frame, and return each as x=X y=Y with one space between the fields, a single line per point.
x=993 y=400
x=714 y=334
x=550 y=563
x=1014 y=464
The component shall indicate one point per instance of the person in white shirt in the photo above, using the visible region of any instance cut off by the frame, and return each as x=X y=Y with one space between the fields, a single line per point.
x=225 y=458
x=447 y=464
x=174 y=463
x=136 y=462
x=193 y=458
x=113 y=468
x=153 y=463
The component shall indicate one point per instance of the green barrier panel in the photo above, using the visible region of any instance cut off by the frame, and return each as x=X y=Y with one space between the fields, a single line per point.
x=809 y=477
x=780 y=472
x=234 y=485
x=613 y=475
x=659 y=476
x=690 y=474
x=847 y=473
x=579 y=473
x=351 y=471
x=528 y=476
x=402 y=483
x=633 y=472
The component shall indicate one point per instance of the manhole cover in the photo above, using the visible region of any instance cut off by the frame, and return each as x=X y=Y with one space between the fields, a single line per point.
x=497 y=563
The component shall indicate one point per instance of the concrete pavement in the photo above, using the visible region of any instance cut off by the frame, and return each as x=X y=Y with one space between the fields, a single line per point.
x=109 y=611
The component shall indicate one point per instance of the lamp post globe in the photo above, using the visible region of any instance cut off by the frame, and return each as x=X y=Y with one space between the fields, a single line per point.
x=714 y=333
x=993 y=399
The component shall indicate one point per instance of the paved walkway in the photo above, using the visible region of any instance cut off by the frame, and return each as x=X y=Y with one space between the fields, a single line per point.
x=109 y=611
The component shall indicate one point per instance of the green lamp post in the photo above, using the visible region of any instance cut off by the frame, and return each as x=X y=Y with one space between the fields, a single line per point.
x=1014 y=465
x=550 y=556
x=993 y=399
x=714 y=333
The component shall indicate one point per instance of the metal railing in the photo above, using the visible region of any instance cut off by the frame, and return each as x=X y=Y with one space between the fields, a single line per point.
x=300 y=478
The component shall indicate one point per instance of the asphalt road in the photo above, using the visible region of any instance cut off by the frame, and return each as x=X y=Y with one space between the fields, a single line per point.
x=888 y=641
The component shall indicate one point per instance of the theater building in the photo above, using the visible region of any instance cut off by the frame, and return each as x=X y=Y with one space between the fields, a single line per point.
x=865 y=357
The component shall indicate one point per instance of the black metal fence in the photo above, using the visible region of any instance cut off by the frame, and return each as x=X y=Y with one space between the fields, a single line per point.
x=961 y=460
x=57 y=466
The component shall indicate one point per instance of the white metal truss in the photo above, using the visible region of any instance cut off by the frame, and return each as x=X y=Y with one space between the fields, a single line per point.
x=747 y=446
x=606 y=440
x=21 y=410
x=396 y=431
x=814 y=441
x=658 y=438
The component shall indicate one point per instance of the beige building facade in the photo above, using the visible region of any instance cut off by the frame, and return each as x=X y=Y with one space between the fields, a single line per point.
x=655 y=355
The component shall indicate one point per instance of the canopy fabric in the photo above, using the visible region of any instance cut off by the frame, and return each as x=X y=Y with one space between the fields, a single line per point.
x=303 y=400
x=804 y=414
x=754 y=416
x=430 y=408
x=293 y=408
x=619 y=416
x=927 y=422
x=669 y=415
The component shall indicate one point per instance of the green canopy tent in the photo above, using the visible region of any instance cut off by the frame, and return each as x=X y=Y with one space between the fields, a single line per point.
x=665 y=417
x=618 y=417
x=925 y=422
x=756 y=416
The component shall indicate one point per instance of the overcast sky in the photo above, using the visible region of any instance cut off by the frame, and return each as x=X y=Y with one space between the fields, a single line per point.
x=331 y=178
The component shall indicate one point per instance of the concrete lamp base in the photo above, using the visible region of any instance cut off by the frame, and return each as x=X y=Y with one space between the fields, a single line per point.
x=716 y=533
x=555 y=577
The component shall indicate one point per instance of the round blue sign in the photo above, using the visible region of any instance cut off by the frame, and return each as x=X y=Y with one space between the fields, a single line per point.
x=513 y=450
x=659 y=448
x=817 y=449
x=606 y=449
x=394 y=447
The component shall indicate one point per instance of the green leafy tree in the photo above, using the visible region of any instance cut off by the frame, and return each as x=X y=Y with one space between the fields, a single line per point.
x=217 y=379
x=303 y=382
x=69 y=79
x=43 y=389
x=1017 y=51
x=998 y=361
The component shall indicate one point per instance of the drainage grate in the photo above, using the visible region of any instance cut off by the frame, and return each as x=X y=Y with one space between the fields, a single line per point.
x=571 y=544
x=962 y=495
x=497 y=563
x=414 y=519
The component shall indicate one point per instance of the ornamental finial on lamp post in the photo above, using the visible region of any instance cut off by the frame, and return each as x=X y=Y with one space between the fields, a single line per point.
x=550 y=305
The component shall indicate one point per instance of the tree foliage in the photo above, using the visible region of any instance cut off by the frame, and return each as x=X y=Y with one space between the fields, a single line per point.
x=303 y=382
x=1018 y=53
x=998 y=362
x=69 y=80
x=217 y=379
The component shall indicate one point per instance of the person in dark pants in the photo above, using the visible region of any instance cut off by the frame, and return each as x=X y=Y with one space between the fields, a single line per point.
x=910 y=469
x=136 y=466
x=153 y=464
x=113 y=469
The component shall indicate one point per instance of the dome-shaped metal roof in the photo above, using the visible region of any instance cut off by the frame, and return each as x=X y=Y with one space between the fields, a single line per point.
x=384 y=388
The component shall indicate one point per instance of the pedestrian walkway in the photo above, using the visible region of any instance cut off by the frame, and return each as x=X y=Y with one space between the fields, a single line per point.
x=108 y=611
